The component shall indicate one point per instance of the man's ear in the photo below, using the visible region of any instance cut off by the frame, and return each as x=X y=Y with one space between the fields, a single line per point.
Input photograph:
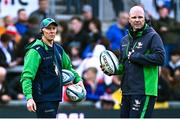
x=42 y=31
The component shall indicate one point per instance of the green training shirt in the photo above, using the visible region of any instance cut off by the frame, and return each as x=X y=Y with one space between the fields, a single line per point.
x=32 y=61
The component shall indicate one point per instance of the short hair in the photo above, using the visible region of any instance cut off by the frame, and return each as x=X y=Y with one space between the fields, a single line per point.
x=20 y=10
x=76 y=18
x=5 y=37
x=93 y=69
x=41 y=1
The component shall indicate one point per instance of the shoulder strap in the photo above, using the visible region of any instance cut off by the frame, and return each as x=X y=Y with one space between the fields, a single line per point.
x=58 y=51
x=58 y=58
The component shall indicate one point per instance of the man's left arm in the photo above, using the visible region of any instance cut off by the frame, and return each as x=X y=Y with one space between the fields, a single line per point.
x=154 y=56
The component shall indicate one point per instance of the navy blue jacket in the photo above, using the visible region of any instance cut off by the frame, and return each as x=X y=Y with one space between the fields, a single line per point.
x=140 y=72
x=47 y=85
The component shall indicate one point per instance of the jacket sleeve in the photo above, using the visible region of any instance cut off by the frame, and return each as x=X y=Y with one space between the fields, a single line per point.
x=31 y=64
x=155 y=56
x=120 y=70
x=66 y=64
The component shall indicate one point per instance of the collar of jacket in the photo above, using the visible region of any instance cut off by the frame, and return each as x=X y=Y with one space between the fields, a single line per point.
x=135 y=34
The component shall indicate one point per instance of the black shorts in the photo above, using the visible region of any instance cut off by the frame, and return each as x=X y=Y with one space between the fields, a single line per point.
x=47 y=109
x=137 y=106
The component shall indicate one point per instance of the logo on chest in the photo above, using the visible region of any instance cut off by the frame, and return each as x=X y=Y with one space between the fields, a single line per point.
x=47 y=58
x=139 y=45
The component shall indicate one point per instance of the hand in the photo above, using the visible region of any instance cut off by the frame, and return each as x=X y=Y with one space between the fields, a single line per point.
x=80 y=83
x=31 y=105
x=129 y=54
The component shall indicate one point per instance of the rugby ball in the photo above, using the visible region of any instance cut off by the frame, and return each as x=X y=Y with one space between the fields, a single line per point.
x=75 y=93
x=110 y=62
x=67 y=77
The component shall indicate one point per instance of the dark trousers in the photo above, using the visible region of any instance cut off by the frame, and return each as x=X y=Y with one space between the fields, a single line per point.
x=47 y=109
x=137 y=106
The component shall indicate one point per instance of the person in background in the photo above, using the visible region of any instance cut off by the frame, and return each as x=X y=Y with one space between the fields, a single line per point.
x=95 y=37
x=78 y=34
x=107 y=102
x=176 y=86
x=43 y=11
x=7 y=52
x=41 y=77
x=21 y=24
x=15 y=89
x=87 y=14
x=75 y=54
x=64 y=34
x=141 y=52
x=29 y=36
x=168 y=29
x=95 y=87
x=11 y=29
x=117 y=31
x=164 y=87
x=174 y=61
x=4 y=96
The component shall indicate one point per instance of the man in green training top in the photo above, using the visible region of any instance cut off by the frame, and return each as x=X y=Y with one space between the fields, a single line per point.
x=42 y=73
x=142 y=52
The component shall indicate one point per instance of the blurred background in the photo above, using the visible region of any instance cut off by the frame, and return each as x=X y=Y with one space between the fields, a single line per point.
x=86 y=28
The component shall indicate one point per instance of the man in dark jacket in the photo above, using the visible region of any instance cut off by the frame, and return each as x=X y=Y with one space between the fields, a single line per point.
x=141 y=53
x=42 y=74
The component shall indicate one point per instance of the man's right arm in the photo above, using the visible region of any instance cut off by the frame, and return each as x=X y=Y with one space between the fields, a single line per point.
x=31 y=64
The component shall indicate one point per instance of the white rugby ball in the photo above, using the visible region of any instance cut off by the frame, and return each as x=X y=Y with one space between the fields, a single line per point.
x=110 y=61
x=75 y=93
x=67 y=77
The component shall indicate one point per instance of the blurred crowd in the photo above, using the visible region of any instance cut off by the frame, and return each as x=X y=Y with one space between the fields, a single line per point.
x=83 y=39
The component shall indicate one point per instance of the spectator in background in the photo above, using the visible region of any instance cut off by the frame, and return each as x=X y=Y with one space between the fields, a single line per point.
x=117 y=31
x=7 y=51
x=2 y=26
x=165 y=74
x=4 y=97
x=164 y=87
x=11 y=29
x=168 y=29
x=15 y=89
x=167 y=3
x=87 y=17
x=95 y=37
x=174 y=61
x=114 y=85
x=95 y=88
x=107 y=102
x=42 y=12
x=64 y=34
x=21 y=24
x=29 y=36
x=77 y=34
x=75 y=54
x=176 y=87
x=114 y=89
x=93 y=61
